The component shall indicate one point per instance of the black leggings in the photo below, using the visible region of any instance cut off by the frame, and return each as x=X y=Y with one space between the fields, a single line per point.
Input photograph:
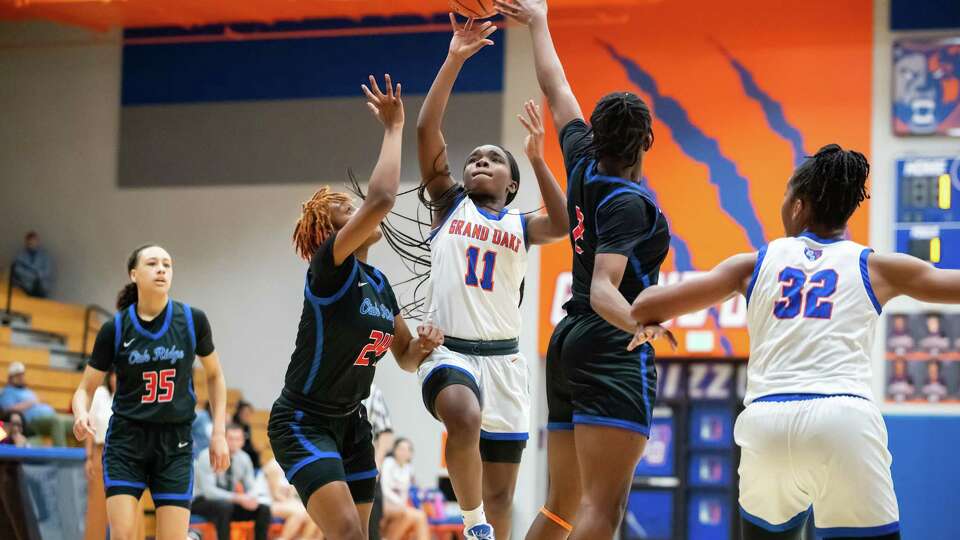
x=753 y=532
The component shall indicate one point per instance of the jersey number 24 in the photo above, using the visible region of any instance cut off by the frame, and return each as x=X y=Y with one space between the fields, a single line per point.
x=814 y=304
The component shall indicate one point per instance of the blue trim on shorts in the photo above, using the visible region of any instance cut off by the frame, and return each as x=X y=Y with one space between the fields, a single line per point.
x=611 y=422
x=107 y=482
x=143 y=332
x=858 y=532
x=449 y=366
x=761 y=254
x=490 y=436
x=316 y=453
x=185 y=496
x=791 y=523
x=780 y=398
x=559 y=426
x=372 y=473
x=865 y=274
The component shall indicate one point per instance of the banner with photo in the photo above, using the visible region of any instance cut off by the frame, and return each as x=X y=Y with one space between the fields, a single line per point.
x=923 y=358
x=926 y=87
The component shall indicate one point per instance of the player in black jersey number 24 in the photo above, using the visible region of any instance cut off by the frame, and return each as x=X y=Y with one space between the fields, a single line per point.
x=318 y=427
x=152 y=342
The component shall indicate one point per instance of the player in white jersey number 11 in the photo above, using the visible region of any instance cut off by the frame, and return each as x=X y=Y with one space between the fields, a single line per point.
x=814 y=299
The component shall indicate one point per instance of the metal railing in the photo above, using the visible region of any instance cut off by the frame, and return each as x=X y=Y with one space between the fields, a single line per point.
x=91 y=308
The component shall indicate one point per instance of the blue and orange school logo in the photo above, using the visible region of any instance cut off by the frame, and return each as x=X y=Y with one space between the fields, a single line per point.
x=812 y=254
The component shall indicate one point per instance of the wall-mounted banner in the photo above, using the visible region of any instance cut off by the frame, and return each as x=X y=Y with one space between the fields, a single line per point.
x=926 y=87
x=741 y=92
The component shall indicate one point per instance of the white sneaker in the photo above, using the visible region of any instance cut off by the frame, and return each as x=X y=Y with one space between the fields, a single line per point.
x=481 y=531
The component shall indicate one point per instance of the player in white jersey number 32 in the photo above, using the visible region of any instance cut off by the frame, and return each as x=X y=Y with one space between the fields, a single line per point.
x=812 y=437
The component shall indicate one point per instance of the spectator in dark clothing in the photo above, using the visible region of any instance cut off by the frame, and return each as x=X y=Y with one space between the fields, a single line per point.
x=242 y=418
x=33 y=268
x=229 y=496
x=13 y=426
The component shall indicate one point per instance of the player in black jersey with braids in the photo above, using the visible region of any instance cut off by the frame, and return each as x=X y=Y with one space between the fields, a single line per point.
x=152 y=342
x=600 y=396
x=318 y=428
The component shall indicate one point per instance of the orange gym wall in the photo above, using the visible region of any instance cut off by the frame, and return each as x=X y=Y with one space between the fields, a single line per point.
x=711 y=122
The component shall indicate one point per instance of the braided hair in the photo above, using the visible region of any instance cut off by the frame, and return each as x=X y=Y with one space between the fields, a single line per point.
x=621 y=126
x=833 y=182
x=128 y=295
x=316 y=221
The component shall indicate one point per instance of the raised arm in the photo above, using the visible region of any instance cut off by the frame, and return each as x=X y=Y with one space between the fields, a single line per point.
x=661 y=303
x=431 y=147
x=385 y=179
x=896 y=274
x=550 y=75
x=554 y=225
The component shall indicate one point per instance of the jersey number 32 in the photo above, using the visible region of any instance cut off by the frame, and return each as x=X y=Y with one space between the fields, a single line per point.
x=815 y=304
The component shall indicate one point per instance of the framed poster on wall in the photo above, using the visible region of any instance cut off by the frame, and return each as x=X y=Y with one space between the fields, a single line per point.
x=926 y=86
x=923 y=358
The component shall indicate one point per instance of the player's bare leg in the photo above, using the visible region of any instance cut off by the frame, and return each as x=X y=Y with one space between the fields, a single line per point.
x=172 y=523
x=331 y=508
x=499 y=485
x=459 y=410
x=122 y=516
x=555 y=520
x=607 y=457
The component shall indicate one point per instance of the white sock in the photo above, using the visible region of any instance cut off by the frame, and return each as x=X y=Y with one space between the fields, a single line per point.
x=473 y=517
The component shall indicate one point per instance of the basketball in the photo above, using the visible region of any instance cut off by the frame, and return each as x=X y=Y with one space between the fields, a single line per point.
x=477 y=9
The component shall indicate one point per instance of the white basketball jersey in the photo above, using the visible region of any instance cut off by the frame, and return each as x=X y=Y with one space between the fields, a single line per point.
x=812 y=317
x=478 y=261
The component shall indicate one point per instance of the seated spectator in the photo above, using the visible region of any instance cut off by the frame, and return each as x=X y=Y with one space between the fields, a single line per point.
x=286 y=505
x=229 y=496
x=13 y=426
x=396 y=477
x=32 y=268
x=202 y=428
x=242 y=417
x=40 y=418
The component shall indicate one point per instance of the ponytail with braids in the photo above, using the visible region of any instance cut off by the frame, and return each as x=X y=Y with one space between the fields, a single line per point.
x=128 y=294
x=316 y=224
x=621 y=126
x=834 y=183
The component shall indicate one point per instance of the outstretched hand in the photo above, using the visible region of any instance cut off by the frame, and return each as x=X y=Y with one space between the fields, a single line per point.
x=387 y=107
x=533 y=144
x=651 y=332
x=522 y=11
x=469 y=38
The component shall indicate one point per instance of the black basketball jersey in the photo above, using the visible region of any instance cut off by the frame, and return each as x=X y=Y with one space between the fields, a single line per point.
x=609 y=215
x=155 y=369
x=346 y=327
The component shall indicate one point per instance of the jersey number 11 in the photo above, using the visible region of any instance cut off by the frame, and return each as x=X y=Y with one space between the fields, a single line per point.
x=489 y=262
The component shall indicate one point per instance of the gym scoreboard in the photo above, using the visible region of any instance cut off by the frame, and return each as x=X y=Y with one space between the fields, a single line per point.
x=928 y=210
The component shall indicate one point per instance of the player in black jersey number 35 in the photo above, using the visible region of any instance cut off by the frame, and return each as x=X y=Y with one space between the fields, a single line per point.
x=318 y=428
x=152 y=342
